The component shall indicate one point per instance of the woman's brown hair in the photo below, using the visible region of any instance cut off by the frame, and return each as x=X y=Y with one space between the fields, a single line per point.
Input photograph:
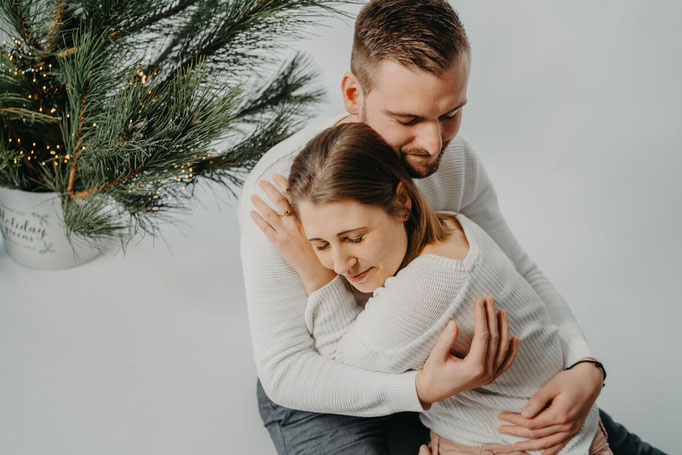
x=351 y=162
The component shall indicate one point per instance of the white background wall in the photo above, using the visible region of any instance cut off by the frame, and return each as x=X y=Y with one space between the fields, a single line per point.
x=573 y=108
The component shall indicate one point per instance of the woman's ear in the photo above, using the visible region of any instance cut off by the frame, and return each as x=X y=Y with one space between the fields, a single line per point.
x=403 y=198
x=352 y=93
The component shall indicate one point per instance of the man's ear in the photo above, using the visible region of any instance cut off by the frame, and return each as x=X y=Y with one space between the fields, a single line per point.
x=403 y=197
x=352 y=93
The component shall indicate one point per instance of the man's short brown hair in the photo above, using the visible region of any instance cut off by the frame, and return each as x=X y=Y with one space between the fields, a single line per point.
x=422 y=34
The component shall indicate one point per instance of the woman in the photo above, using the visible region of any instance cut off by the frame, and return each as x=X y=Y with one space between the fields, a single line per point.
x=369 y=223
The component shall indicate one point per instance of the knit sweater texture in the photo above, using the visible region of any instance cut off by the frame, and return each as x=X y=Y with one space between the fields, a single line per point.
x=291 y=370
x=402 y=320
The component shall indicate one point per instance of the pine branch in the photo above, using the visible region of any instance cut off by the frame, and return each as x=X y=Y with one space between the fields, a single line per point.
x=255 y=20
x=17 y=112
x=162 y=15
x=21 y=20
x=55 y=25
x=216 y=45
x=285 y=87
x=66 y=52
x=79 y=135
x=85 y=193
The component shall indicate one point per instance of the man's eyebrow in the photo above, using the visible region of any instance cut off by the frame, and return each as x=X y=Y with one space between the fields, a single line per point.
x=339 y=234
x=402 y=114
x=459 y=106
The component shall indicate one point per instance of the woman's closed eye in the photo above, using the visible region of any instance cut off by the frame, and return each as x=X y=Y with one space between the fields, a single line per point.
x=324 y=246
x=321 y=247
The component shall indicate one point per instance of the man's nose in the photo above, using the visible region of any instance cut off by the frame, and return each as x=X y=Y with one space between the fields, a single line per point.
x=343 y=262
x=430 y=138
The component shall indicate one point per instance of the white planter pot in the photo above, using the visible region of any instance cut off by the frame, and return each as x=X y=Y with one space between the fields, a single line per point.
x=32 y=225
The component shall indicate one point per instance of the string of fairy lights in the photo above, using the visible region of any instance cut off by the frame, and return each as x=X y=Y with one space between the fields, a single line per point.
x=49 y=98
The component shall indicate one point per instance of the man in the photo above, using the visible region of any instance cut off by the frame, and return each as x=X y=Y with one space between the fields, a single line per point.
x=408 y=81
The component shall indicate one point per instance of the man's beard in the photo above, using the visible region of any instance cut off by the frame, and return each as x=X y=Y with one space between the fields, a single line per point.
x=420 y=172
x=424 y=169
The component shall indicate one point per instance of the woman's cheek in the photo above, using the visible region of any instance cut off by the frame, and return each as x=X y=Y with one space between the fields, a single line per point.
x=324 y=259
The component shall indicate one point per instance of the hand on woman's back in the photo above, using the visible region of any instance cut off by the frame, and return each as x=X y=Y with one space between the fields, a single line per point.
x=492 y=352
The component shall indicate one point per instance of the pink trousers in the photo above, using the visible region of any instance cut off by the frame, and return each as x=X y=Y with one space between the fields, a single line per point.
x=442 y=446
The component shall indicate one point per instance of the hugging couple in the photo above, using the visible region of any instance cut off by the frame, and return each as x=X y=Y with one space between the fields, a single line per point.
x=384 y=288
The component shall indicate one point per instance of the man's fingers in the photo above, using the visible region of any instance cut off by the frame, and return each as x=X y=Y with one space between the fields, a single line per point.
x=446 y=340
x=539 y=401
x=516 y=419
x=543 y=443
x=556 y=449
x=550 y=416
x=503 y=346
x=547 y=418
x=523 y=432
x=494 y=334
x=479 y=343
x=424 y=450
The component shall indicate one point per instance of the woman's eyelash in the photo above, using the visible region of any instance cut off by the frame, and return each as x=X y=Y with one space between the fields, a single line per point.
x=356 y=240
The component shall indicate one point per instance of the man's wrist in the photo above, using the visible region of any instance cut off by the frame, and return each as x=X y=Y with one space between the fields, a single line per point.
x=591 y=364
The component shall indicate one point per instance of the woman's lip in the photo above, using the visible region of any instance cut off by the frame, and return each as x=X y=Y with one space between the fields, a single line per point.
x=359 y=276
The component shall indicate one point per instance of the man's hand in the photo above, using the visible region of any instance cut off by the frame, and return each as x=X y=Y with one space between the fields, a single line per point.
x=492 y=353
x=556 y=412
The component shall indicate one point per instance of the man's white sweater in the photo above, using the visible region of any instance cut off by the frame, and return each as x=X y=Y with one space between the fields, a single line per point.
x=292 y=372
x=402 y=320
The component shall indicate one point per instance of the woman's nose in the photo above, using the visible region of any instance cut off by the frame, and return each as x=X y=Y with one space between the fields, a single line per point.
x=343 y=262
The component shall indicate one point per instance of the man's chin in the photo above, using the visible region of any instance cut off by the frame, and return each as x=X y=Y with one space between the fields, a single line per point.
x=419 y=168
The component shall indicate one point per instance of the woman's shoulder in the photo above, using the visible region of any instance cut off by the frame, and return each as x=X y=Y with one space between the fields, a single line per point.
x=427 y=276
x=438 y=265
x=457 y=246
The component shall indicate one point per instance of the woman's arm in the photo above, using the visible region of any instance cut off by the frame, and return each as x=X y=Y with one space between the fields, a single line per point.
x=292 y=372
x=442 y=372
x=402 y=321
